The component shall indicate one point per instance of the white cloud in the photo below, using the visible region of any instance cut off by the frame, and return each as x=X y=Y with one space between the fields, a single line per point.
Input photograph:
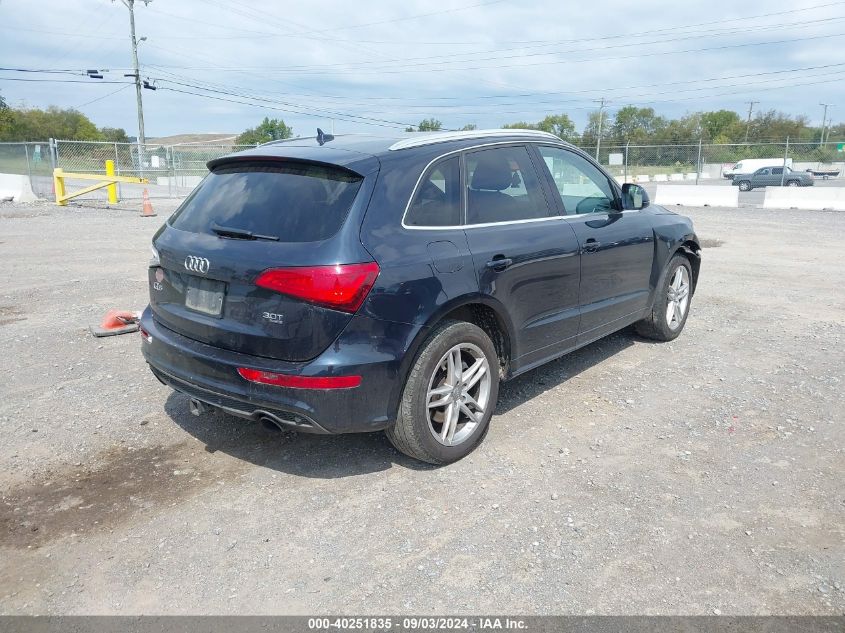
x=313 y=58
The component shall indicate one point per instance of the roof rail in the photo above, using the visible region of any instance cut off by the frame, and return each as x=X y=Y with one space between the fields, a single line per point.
x=425 y=138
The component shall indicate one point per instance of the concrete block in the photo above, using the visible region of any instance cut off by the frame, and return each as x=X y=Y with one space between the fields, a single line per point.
x=805 y=198
x=17 y=187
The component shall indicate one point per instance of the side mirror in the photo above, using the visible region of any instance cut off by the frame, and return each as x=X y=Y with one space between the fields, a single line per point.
x=634 y=197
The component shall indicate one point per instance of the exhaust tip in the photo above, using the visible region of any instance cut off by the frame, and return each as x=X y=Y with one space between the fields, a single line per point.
x=270 y=424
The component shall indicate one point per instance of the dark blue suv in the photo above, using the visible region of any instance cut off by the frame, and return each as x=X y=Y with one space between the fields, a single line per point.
x=370 y=283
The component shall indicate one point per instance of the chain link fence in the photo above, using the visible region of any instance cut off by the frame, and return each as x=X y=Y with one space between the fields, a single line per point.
x=29 y=159
x=174 y=170
x=697 y=162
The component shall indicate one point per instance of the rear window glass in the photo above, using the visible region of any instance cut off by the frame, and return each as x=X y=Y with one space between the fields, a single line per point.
x=438 y=198
x=295 y=202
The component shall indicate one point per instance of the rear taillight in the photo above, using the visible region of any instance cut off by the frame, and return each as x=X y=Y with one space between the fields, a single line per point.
x=299 y=382
x=341 y=287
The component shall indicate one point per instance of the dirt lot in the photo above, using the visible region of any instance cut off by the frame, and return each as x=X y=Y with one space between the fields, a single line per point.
x=700 y=476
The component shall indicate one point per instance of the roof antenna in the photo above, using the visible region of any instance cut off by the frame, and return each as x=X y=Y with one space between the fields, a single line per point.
x=323 y=138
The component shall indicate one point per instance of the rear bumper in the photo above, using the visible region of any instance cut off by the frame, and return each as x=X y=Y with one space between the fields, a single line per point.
x=375 y=350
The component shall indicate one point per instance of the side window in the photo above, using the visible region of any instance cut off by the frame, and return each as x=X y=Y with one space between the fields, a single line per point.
x=582 y=187
x=503 y=186
x=777 y=171
x=437 y=201
x=763 y=172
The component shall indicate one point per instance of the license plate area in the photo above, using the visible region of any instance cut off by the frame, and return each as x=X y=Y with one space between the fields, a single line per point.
x=205 y=296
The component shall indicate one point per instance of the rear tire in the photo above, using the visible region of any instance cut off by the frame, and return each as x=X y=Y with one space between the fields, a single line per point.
x=744 y=185
x=672 y=301
x=449 y=396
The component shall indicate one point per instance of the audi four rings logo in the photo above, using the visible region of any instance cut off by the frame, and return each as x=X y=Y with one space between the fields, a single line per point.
x=197 y=264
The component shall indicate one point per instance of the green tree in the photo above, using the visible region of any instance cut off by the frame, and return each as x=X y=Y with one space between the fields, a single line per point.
x=519 y=125
x=636 y=125
x=430 y=125
x=5 y=119
x=266 y=131
x=469 y=126
x=590 y=134
x=722 y=126
x=776 y=126
x=114 y=134
x=559 y=125
x=32 y=124
x=681 y=131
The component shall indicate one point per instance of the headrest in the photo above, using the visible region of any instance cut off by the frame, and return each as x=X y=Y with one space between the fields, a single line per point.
x=493 y=172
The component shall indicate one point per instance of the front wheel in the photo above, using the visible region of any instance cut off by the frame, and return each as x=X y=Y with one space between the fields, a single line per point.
x=744 y=185
x=793 y=183
x=449 y=396
x=671 y=303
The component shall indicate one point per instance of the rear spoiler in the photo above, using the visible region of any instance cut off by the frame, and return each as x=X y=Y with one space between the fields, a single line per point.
x=231 y=159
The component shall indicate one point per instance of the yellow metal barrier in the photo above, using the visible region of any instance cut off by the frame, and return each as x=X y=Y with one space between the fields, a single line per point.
x=109 y=181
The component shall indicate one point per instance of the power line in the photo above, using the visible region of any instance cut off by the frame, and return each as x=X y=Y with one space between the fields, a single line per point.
x=95 y=82
x=424 y=104
x=416 y=67
x=456 y=58
x=105 y=96
x=262 y=18
x=289 y=107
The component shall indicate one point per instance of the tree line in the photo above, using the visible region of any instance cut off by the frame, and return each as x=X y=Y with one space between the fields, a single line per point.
x=643 y=126
x=33 y=124
x=629 y=125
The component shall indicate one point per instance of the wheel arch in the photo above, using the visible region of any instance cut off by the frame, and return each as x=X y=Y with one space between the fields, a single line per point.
x=691 y=249
x=485 y=312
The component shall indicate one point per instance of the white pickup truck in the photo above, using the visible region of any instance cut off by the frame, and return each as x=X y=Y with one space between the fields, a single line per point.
x=750 y=165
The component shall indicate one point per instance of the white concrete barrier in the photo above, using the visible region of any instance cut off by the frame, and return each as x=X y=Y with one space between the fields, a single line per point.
x=660 y=178
x=805 y=198
x=179 y=181
x=691 y=176
x=642 y=178
x=16 y=187
x=698 y=195
x=676 y=177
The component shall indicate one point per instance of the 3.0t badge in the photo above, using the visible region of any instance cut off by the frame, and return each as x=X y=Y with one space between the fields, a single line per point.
x=197 y=264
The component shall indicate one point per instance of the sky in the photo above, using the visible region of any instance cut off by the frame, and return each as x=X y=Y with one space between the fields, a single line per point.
x=221 y=66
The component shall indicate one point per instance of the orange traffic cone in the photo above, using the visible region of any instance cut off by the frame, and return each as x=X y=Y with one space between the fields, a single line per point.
x=147 y=211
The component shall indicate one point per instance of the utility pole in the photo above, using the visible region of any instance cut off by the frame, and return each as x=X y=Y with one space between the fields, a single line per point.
x=751 y=105
x=824 y=120
x=130 y=4
x=601 y=120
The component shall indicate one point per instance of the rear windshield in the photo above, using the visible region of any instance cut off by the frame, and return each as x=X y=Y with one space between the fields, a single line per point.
x=294 y=202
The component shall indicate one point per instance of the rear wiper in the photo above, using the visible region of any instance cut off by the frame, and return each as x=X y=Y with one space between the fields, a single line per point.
x=241 y=234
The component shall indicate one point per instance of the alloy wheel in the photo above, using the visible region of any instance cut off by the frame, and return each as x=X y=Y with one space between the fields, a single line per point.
x=678 y=298
x=458 y=394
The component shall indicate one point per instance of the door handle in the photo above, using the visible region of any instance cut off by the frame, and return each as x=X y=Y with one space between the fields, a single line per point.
x=591 y=245
x=499 y=263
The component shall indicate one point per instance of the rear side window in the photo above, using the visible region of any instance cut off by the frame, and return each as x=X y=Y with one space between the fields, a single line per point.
x=295 y=202
x=502 y=186
x=437 y=201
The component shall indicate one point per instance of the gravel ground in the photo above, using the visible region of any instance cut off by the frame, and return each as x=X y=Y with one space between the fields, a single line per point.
x=694 y=477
